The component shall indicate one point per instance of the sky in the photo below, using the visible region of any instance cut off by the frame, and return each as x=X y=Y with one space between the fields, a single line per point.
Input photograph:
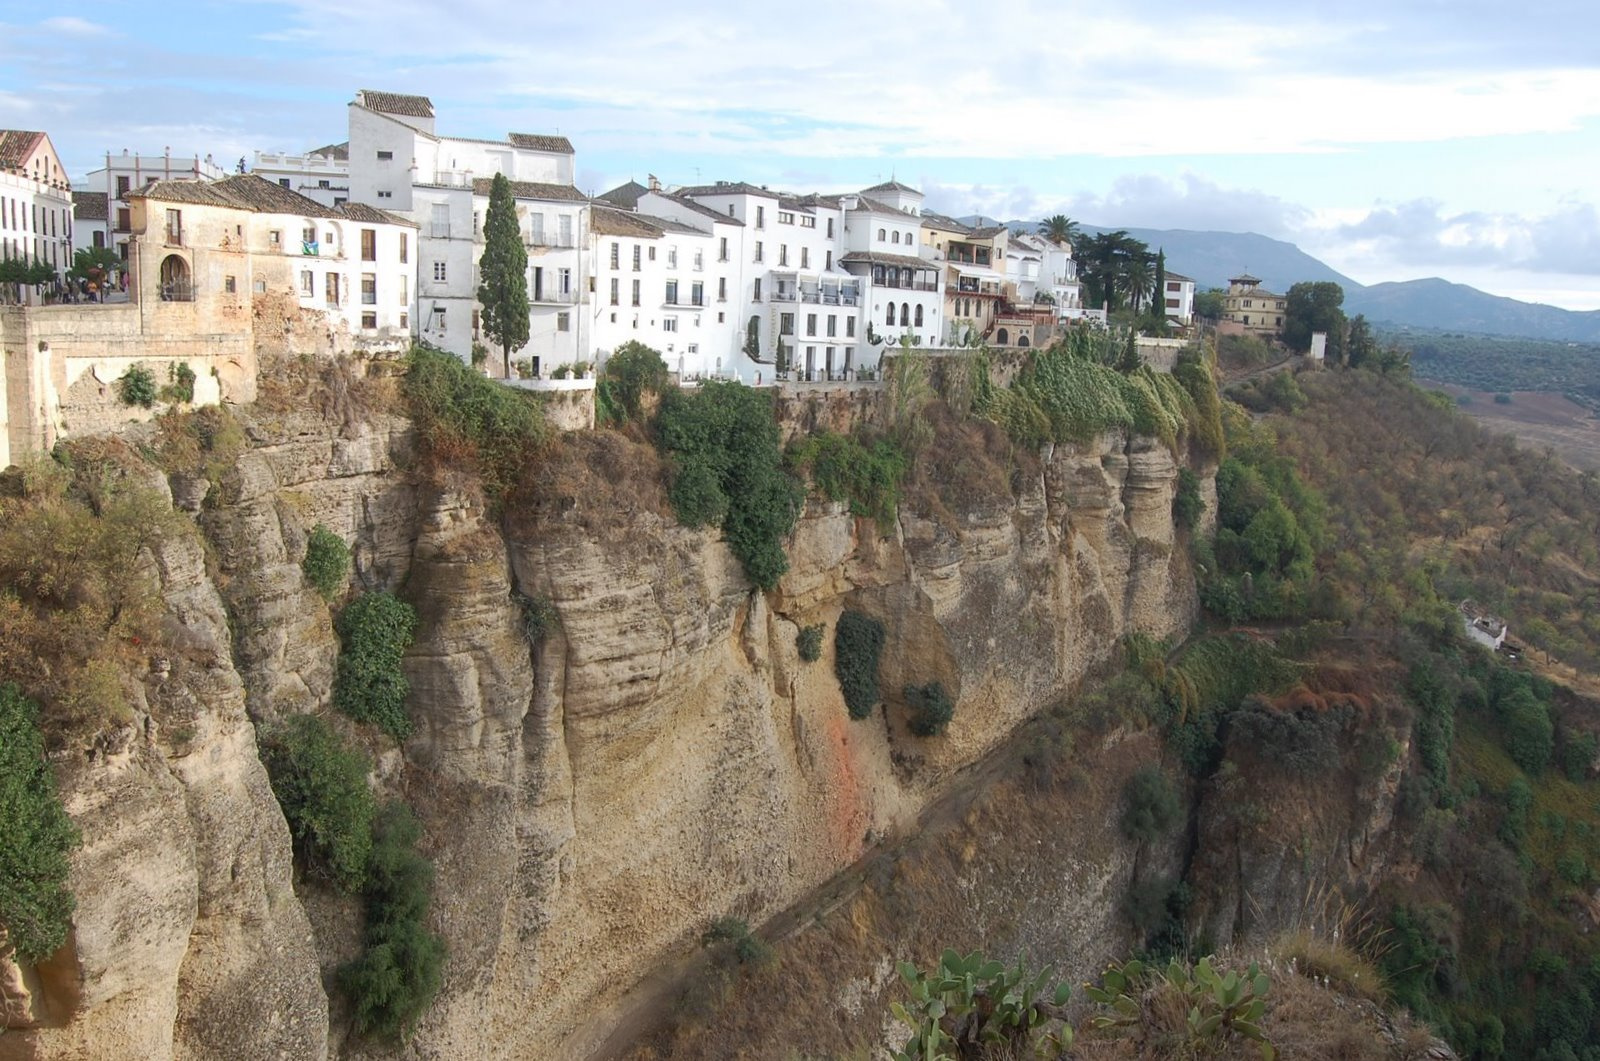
x=1393 y=140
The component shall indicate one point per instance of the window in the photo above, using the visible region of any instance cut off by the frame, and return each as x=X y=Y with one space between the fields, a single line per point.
x=669 y=324
x=850 y=327
x=636 y=259
x=308 y=284
x=721 y=317
x=758 y=289
x=536 y=228
x=672 y=257
x=260 y=287
x=369 y=289
x=405 y=295
x=405 y=320
x=699 y=260
x=381 y=195
x=615 y=288
x=785 y=217
x=369 y=321
x=652 y=254
x=385 y=156
x=564 y=277
x=895 y=238
x=175 y=226
x=877 y=274
x=919 y=315
x=283 y=182
x=811 y=324
x=827 y=260
x=783 y=254
x=805 y=257
x=833 y=325
x=228 y=285
x=697 y=294
x=124 y=219
x=636 y=292
x=369 y=245
x=323 y=184
x=882 y=235
x=274 y=237
x=722 y=252
x=672 y=292
x=830 y=228
x=758 y=250
x=616 y=255
x=563 y=322
x=308 y=235
x=905 y=315
x=405 y=249
x=761 y=217
x=722 y=289
x=808 y=222
x=439 y=272
x=124 y=185
x=786 y=324
x=564 y=223
x=439 y=221
x=331 y=289
x=888 y=316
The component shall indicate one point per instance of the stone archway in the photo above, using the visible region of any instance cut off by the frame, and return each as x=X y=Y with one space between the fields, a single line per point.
x=176 y=285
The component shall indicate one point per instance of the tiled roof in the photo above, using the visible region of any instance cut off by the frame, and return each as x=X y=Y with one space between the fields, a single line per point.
x=1180 y=276
x=872 y=206
x=727 y=188
x=706 y=211
x=625 y=196
x=371 y=215
x=940 y=221
x=899 y=261
x=89 y=206
x=397 y=103
x=338 y=151
x=565 y=193
x=667 y=224
x=605 y=221
x=540 y=142
x=1244 y=278
x=242 y=192
x=987 y=233
x=892 y=186
x=15 y=147
x=814 y=200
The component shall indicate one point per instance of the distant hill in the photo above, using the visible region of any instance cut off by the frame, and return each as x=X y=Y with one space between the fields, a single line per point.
x=1210 y=258
x=1436 y=303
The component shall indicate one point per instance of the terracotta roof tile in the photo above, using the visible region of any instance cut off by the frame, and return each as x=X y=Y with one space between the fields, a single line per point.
x=533 y=190
x=338 y=151
x=727 y=188
x=541 y=142
x=396 y=103
x=371 y=215
x=604 y=221
x=702 y=209
x=892 y=186
x=16 y=145
x=900 y=261
x=89 y=206
x=625 y=196
x=242 y=192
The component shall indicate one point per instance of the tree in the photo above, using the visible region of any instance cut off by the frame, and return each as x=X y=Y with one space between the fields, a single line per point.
x=1211 y=303
x=503 y=289
x=1061 y=229
x=1137 y=277
x=1314 y=307
x=35 y=836
x=1361 y=347
x=1158 y=294
x=86 y=261
x=633 y=369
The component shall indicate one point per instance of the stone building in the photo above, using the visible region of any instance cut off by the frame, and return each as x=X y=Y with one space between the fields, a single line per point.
x=1256 y=310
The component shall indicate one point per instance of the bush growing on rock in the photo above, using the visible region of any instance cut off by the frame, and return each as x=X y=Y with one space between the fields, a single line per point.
x=809 y=642
x=931 y=708
x=137 y=386
x=857 y=645
x=369 y=686
x=322 y=787
x=1150 y=806
x=327 y=561
x=35 y=836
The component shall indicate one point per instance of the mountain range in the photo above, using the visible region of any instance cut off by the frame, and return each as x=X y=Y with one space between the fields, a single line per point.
x=1210 y=258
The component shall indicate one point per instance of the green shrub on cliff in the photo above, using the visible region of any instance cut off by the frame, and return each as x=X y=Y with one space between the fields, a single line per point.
x=857 y=645
x=809 y=642
x=396 y=978
x=374 y=632
x=322 y=787
x=137 y=386
x=845 y=469
x=1149 y=806
x=35 y=836
x=931 y=708
x=462 y=417
x=327 y=561
x=728 y=469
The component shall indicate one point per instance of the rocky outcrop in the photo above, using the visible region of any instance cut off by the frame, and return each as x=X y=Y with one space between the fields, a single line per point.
x=591 y=797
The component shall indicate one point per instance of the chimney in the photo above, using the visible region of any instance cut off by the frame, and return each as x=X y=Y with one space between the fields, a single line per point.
x=655 y=184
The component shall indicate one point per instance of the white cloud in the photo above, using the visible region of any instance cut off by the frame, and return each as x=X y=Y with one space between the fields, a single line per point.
x=75 y=27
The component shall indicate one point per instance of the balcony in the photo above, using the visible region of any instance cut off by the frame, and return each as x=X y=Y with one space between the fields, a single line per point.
x=784 y=294
x=899 y=285
x=174 y=236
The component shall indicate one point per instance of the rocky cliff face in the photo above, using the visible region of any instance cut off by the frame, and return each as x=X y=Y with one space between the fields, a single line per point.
x=661 y=757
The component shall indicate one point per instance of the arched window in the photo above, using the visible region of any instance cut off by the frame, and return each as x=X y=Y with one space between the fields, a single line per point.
x=1001 y=337
x=175 y=285
x=882 y=235
x=905 y=315
x=888 y=316
x=1022 y=340
x=895 y=238
x=919 y=315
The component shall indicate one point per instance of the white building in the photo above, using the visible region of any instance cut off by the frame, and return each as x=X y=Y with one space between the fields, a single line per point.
x=398 y=163
x=724 y=330
x=127 y=172
x=1179 y=296
x=900 y=290
x=240 y=241
x=35 y=201
x=321 y=174
x=1058 y=274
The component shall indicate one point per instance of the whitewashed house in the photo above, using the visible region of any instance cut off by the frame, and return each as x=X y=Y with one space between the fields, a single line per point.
x=398 y=163
x=321 y=174
x=1179 y=298
x=35 y=201
x=900 y=292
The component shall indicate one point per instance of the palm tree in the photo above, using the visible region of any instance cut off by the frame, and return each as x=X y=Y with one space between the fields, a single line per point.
x=1060 y=229
x=1136 y=279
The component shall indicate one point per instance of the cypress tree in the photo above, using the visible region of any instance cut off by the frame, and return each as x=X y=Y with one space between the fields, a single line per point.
x=503 y=273
x=1158 y=300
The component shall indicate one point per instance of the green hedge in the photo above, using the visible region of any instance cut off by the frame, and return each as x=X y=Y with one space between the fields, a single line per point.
x=369 y=685
x=322 y=787
x=857 y=646
x=35 y=836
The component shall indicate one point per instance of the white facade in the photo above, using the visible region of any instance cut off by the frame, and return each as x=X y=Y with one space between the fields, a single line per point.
x=398 y=163
x=127 y=173
x=1179 y=296
x=1058 y=274
x=723 y=257
x=901 y=293
x=321 y=174
x=35 y=201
